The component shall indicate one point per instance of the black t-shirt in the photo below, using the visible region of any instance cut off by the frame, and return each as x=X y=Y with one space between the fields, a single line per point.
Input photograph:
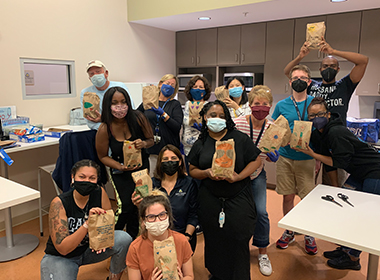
x=169 y=130
x=201 y=155
x=337 y=95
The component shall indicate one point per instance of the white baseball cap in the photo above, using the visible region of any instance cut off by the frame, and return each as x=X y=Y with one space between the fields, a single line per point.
x=95 y=63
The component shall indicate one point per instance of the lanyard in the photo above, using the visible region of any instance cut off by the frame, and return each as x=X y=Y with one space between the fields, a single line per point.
x=158 y=117
x=298 y=111
x=261 y=131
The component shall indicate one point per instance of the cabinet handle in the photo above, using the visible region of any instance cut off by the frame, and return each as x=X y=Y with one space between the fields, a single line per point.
x=236 y=57
x=242 y=57
x=192 y=60
x=286 y=87
x=198 y=59
x=319 y=54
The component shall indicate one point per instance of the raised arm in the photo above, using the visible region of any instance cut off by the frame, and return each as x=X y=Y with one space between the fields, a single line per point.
x=360 y=61
x=304 y=51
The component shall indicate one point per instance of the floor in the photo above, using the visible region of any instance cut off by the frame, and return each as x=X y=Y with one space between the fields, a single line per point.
x=292 y=263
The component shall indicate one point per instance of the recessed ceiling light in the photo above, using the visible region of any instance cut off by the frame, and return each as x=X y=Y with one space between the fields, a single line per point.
x=337 y=1
x=204 y=18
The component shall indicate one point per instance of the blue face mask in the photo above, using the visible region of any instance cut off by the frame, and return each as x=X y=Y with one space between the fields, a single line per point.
x=236 y=91
x=320 y=123
x=98 y=80
x=216 y=124
x=167 y=90
x=197 y=93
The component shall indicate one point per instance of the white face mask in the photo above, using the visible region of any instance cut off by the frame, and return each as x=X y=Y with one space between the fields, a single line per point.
x=157 y=228
x=98 y=80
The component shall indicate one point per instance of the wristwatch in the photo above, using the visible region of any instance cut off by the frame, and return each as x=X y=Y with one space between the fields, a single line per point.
x=164 y=115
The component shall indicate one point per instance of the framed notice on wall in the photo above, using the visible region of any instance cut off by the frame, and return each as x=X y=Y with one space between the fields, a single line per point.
x=29 y=77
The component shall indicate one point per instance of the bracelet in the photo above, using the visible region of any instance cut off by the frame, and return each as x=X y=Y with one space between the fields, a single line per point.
x=85 y=225
x=164 y=115
x=188 y=235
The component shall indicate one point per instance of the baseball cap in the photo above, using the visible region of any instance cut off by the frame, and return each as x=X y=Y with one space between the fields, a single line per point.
x=96 y=63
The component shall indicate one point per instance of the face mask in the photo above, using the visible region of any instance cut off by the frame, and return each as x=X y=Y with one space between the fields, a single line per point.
x=216 y=124
x=98 y=80
x=167 y=90
x=119 y=111
x=299 y=85
x=329 y=74
x=320 y=123
x=260 y=112
x=197 y=93
x=236 y=91
x=157 y=228
x=169 y=167
x=84 y=187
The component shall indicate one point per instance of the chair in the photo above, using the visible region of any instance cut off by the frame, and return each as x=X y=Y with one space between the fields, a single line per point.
x=48 y=169
x=73 y=147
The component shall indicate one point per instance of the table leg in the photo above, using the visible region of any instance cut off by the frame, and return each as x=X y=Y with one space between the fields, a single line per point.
x=373 y=262
x=8 y=227
x=4 y=169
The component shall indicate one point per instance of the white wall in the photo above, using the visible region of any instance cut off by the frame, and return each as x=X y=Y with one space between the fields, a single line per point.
x=80 y=31
x=72 y=30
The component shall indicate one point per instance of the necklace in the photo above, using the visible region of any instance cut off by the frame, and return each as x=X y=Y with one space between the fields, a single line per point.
x=85 y=209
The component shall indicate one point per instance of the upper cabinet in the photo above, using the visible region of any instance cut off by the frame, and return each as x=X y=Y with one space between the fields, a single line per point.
x=241 y=45
x=300 y=38
x=196 y=48
x=279 y=51
x=369 y=46
x=343 y=31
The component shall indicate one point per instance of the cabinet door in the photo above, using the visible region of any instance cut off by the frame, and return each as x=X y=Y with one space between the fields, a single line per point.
x=279 y=52
x=186 y=48
x=343 y=31
x=228 y=45
x=369 y=46
x=300 y=38
x=253 y=44
x=206 y=47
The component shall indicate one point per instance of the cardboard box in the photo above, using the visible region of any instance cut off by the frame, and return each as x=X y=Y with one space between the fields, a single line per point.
x=28 y=138
x=56 y=132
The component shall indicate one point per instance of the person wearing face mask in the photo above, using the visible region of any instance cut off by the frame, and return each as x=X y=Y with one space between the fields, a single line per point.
x=237 y=102
x=197 y=89
x=227 y=210
x=182 y=191
x=68 y=245
x=120 y=123
x=337 y=93
x=156 y=222
x=254 y=125
x=336 y=146
x=98 y=75
x=294 y=170
x=166 y=121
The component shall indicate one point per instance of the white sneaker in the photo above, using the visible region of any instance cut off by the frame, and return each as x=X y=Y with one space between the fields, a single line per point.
x=265 y=265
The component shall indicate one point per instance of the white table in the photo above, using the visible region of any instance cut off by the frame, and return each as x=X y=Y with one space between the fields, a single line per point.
x=15 y=246
x=357 y=227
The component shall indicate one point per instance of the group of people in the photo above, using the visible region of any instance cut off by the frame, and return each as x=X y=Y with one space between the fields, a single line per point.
x=187 y=193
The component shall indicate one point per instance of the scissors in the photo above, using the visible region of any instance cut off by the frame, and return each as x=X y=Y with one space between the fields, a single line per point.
x=330 y=198
x=344 y=198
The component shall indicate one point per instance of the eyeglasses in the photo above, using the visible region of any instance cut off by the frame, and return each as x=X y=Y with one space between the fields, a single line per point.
x=152 y=218
x=319 y=115
x=303 y=78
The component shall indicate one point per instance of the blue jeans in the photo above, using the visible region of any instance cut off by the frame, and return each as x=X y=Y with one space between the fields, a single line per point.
x=369 y=186
x=259 y=189
x=61 y=268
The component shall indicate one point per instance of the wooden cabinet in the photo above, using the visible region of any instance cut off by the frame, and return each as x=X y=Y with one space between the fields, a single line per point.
x=300 y=38
x=279 y=52
x=196 y=48
x=369 y=46
x=241 y=45
x=343 y=31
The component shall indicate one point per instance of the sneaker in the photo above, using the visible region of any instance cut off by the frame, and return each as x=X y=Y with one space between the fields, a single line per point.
x=344 y=262
x=310 y=245
x=285 y=240
x=337 y=253
x=265 y=265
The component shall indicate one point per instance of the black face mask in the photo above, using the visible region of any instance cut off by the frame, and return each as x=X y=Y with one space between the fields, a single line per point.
x=299 y=85
x=329 y=74
x=84 y=187
x=169 y=167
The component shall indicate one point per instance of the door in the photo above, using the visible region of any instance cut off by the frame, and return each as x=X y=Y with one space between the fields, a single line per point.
x=229 y=45
x=186 y=48
x=253 y=44
x=206 y=47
